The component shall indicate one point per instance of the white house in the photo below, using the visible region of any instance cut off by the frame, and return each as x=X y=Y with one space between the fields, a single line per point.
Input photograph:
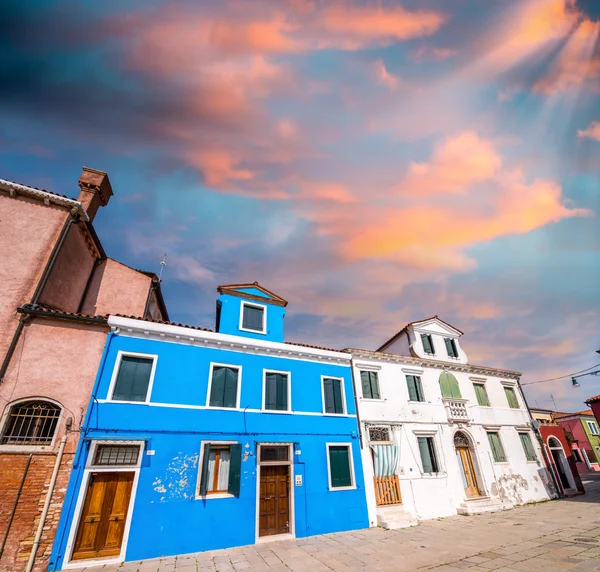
x=442 y=436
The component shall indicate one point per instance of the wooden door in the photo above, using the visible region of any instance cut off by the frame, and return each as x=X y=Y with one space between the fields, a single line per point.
x=472 y=489
x=102 y=522
x=274 y=502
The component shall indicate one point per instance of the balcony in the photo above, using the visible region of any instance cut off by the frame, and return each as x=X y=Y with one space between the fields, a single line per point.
x=457 y=411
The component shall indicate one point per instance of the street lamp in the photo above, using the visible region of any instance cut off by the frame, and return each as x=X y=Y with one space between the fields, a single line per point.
x=574 y=381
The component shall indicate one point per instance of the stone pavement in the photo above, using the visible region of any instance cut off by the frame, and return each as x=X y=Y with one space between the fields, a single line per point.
x=550 y=536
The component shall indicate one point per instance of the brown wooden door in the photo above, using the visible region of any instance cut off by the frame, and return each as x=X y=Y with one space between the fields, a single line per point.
x=274 y=502
x=102 y=523
x=472 y=490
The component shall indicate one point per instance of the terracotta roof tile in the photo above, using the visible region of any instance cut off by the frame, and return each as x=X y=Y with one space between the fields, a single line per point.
x=593 y=399
x=315 y=347
x=587 y=412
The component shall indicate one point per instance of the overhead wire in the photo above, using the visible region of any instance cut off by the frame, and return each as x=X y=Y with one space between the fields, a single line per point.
x=561 y=377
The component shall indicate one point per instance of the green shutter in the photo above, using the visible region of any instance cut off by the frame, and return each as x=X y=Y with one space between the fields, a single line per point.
x=133 y=379
x=204 y=470
x=365 y=380
x=375 y=385
x=496 y=446
x=281 y=400
x=253 y=318
x=224 y=386
x=235 y=469
x=328 y=396
x=412 y=388
x=424 y=449
x=337 y=393
x=276 y=389
x=339 y=466
x=427 y=345
x=449 y=386
x=481 y=393
x=528 y=446
x=511 y=397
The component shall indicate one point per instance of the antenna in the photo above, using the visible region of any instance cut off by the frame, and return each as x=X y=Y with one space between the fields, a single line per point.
x=552 y=397
x=163 y=263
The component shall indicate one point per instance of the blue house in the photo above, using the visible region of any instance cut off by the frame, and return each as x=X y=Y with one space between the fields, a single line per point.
x=197 y=440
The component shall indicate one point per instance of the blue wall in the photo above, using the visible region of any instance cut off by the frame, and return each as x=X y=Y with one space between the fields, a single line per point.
x=230 y=316
x=167 y=517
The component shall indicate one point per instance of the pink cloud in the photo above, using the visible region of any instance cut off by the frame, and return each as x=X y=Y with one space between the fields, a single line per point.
x=384 y=76
x=432 y=53
x=592 y=131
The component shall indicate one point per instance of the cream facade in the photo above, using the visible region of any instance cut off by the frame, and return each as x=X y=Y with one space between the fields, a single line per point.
x=442 y=437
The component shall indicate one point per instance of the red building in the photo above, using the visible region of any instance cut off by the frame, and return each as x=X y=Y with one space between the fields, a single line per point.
x=559 y=453
x=58 y=286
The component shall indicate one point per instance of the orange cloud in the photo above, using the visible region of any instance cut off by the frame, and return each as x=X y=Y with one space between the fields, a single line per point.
x=591 y=132
x=384 y=76
x=457 y=162
x=219 y=167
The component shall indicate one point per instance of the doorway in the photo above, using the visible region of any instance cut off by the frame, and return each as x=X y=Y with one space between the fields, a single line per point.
x=102 y=523
x=274 y=491
x=466 y=463
x=560 y=462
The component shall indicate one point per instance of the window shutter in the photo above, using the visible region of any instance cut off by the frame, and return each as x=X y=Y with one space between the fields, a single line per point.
x=375 y=384
x=427 y=345
x=511 y=397
x=133 y=379
x=328 y=395
x=235 y=469
x=366 y=384
x=253 y=318
x=412 y=389
x=217 y=388
x=270 y=391
x=425 y=455
x=230 y=390
x=281 y=397
x=337 y=394
x=204 y=471
x=339 y=466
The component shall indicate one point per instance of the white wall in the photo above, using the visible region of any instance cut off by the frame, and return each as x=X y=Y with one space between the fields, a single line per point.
x=516 y=481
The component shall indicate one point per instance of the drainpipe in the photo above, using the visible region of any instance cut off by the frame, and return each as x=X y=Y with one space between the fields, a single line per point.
x=540 y=439
x=14 y=508
x=38 y=292
x=360 y=436
x=40 y=528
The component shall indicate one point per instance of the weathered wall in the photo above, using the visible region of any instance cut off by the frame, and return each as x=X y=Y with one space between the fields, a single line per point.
x=117 y=289
x=70 y=273
x=28 y=231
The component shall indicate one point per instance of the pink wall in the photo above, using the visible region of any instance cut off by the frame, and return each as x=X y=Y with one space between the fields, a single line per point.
x=70 y=274
x=574 y=427
x=28 y=231
x=117 y=289
x=58 y=360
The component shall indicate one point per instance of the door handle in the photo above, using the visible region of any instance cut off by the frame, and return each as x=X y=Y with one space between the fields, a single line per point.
x=268 y=498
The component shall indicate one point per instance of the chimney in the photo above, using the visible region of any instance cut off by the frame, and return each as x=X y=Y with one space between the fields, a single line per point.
x=95 y=191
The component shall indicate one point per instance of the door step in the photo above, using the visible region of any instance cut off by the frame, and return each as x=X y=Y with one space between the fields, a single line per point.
x=482 y=505
x=394 y=517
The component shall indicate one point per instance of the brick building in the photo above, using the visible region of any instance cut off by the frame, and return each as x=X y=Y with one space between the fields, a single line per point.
x=58 y=288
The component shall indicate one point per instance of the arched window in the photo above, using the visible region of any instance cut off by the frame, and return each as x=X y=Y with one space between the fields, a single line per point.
x=554 y=443
x=461 y=440
x=449 y=386
x=31 y=423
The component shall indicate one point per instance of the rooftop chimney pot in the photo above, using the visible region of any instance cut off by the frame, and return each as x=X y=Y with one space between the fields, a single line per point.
x=95 y=190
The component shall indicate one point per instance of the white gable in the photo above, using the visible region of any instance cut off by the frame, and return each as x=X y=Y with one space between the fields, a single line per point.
x=436 y=326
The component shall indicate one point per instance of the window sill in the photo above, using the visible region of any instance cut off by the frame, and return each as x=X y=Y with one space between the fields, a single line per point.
x=217 y=408
x=377 y=400
x=433 y=475
x=217 y=496
x=262 y=333
x=145 y=402
x=335 y=415
x=335 y=489
x=501 y=463
x=424 y=402
x=7 y=448
x=278 y=411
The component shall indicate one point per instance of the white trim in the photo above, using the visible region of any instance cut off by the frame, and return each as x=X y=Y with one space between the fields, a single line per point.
x=185 y=335
x=22 y=447
x=115 y=373
x=291 y=492
x=239 y=386
x=350 y=460
x=80 y=563
x=197 y=494
x=344 y=412
x=289 y=391
x=38 y=193
x=263 y=307
x=433 y=433
x=367 y=367
x=203 y=407
x=413 y=371
x=376 y=372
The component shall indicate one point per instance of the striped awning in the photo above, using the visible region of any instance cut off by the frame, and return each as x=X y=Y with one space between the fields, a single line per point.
x=385 y=460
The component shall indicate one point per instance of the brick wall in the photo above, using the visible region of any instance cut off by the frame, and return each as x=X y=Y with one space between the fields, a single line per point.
x=26 y=520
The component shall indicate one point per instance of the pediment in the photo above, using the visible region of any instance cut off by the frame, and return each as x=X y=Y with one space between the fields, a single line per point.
x=252 y=291
x=436 y=326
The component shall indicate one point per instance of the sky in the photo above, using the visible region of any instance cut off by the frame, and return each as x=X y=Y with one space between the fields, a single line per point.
x=373 y=162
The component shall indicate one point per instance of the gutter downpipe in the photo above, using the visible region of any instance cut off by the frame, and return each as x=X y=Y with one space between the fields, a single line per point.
x=40 y=528
x=360 y=436
x=14 y=508
x=36 y=295
x=539 y=436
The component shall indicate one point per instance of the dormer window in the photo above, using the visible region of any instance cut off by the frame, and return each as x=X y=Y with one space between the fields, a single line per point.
x=253 y=318
x=427 y=344
x=451 y=347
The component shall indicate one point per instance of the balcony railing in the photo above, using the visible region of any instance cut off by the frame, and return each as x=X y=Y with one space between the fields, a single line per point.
x=457 y=411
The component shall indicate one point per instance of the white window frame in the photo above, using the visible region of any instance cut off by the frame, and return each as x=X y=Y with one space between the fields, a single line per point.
x=441 y=470
x=113 y=380
x=289 y=391
x=17 y=448
x=198 y=496
x=350 y=460
x=591 y=426
x=263 y=307
x=239 y=386
x=345 y=409
x=89 y=469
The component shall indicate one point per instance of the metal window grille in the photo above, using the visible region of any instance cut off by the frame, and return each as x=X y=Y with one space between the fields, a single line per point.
x=461 y=440
x=274 y=453
x=116 y=455
x=379 y=434
x=31 y=423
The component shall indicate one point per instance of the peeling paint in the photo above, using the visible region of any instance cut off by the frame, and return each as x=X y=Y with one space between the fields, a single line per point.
x=177 y=481
x=511 y=488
